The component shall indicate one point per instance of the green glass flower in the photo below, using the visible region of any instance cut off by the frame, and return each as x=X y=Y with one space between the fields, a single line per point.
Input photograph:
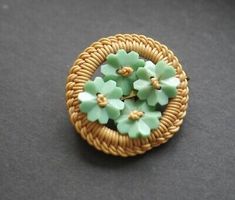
x=100 y=100
x=156 y=83
x=137 y=119
x=121 y=68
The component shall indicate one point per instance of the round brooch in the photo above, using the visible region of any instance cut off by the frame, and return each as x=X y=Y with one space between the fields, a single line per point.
x=142 y=92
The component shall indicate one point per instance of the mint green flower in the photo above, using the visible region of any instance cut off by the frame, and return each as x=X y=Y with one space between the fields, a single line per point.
x=156 y=83
x=121 y=68
x=100 y=100
x=137 y=119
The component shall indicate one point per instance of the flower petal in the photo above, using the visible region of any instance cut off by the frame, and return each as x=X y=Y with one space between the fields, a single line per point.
x=94 y=113
x=99 y=83
x=90 y=87
x=108 y=70
x=144 y=92
x=142 y=73
x=143 y=128
x=139 y=63
x=152 y=119
x=151 y=68
x=173 y=81
x=152 y=99
x=139 y=128
x=108 y=86
x=164 y=71
x=115 y=93
x=122 y=57
x=85 y=96
x=116 y=103
x=134 y=130
x=113 y=60
x=125 y=126
x=103 y=118
x=86 y=106
x=112 y=112
x=162 y=98
x=125 y=85
x=169 y=90
x=141 y=84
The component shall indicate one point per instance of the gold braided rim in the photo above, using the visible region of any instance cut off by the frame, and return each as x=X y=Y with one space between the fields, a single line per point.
x=100 y=136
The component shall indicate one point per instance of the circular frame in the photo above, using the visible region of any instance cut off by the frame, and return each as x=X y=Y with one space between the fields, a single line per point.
x=102 y=137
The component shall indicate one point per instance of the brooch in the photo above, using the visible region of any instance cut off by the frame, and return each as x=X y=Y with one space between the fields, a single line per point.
x=142 y=91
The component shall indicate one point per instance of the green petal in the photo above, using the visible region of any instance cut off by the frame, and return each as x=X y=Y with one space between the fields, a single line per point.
x=142 y=73
x=112 y=77
x=152 y=99
x=116 y=103
x=133 y=60
x=134 y=130
x=139 y=128
x=144 y=92
x=123 y=117
x=108 y=86
x=169 y=91
x=164 y=71
x=113 y=113
x=90 y=87
x=122 y=57
x=115 y=93
x=146 y=108
x=125 y=85
x=125 y=126
x=94 y=113
x=103 y=118
x=152 y=119
x=162 y=98
x=150 y=67
x=139 y=63
x=108 y=70
x=86 y=106
x=141 y=84
x=99 y=83
x=143 y=128
x=173 y=81
x=85 y=96
x=113 y=60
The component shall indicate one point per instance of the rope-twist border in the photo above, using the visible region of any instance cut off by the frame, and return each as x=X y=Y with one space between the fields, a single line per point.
x=100 y=136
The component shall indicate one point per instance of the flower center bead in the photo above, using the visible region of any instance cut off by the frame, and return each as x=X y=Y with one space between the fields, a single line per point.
x=135 y=115
x=155 y=83
x=125 y=71
x=101 y=100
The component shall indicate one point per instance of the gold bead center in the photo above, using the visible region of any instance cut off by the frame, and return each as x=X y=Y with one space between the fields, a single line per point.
x=125 y=71
x=101 y=100
x=135 y=115
x=155 y=83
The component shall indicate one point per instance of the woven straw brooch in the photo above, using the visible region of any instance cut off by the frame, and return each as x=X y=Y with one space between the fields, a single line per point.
x=142 y=92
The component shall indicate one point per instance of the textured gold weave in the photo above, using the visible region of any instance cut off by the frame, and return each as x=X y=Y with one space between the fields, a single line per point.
x=102 y=137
